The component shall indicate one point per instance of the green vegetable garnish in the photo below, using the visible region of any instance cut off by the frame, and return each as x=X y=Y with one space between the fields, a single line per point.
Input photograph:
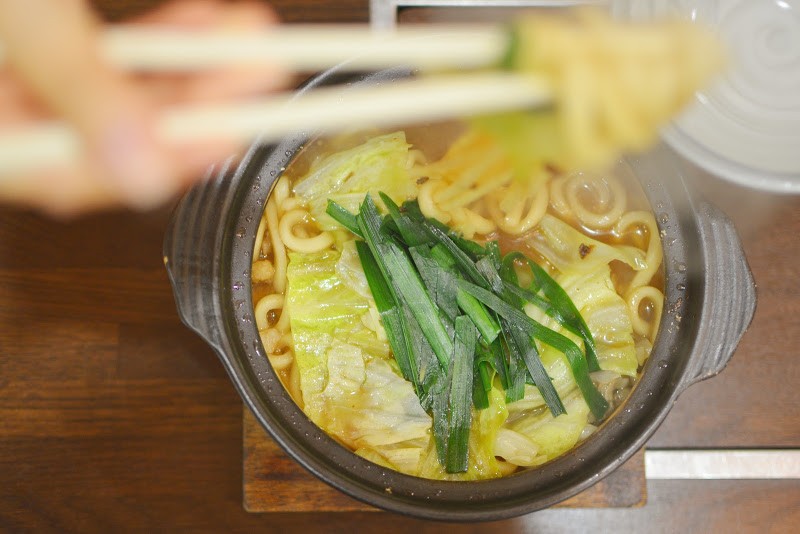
x=520 y=322
x=453 y=314
x=397 y=269
x=386 y=302
x=560 y=306
x=460 y=401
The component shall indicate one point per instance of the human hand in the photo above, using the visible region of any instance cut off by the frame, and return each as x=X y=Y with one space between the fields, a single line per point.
x=53 y=70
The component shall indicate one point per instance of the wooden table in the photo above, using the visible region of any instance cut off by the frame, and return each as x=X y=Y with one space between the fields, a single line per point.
x=114 y=417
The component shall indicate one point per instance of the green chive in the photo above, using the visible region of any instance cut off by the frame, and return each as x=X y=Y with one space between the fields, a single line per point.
x=483 y=320
x=391 y=316
x=340 y=214
x=423 y=276
x=523 y=345
x=463 y=262
x=381 y=291
x=521 y=323
x=572 y=318
x=397 y=268
x=517 y=372
x=440 y=283
x=460 y=396
x=429 y=370
x=517 y=326
x=413 y=234
x=483 y=374
x=471 y=248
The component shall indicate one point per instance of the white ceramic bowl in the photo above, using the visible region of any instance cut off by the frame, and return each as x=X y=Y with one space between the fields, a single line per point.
x=746 y=127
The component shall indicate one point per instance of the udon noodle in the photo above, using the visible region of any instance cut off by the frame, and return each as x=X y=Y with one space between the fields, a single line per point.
x=599 y=222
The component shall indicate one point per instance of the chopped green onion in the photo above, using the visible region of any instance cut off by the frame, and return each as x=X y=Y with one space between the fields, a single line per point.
x=460 y=397
x=521 y=322
x=391 y=316
x=572 y=318
x=340 y=214
x=483 y=320
x=471 y=248
x=397 y=267
x=413 y=234
x=483 y=374
x=440 y=283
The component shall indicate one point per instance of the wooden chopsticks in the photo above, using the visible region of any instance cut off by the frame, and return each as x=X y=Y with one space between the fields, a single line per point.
x=302 y=48
x=322 y=110
x=309 y=47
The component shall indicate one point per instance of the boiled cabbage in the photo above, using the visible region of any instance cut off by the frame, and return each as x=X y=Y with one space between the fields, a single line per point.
x=570 y=251
x=349 y=385
x=379 y=164
x=553 y=436
x=606 y=315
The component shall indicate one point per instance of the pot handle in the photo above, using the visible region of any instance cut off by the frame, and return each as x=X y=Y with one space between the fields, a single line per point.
x=729 y=296
x=192 y=252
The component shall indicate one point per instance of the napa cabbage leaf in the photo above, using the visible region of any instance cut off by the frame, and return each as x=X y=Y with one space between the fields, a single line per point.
x=571 y=251
x=379 y=164
x=553 y=436
x=606 y=314
x=349 y=384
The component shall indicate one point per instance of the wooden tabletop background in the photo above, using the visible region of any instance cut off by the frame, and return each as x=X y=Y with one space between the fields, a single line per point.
x=114 y=417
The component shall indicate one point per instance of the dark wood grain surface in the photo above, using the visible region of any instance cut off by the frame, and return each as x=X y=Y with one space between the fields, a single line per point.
x=114 y=417
x=272 y=482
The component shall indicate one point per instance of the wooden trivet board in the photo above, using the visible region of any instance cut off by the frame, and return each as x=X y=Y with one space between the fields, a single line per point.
x=273 y=482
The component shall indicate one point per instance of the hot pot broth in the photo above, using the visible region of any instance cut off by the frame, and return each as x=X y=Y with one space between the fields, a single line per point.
x=593 y=233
